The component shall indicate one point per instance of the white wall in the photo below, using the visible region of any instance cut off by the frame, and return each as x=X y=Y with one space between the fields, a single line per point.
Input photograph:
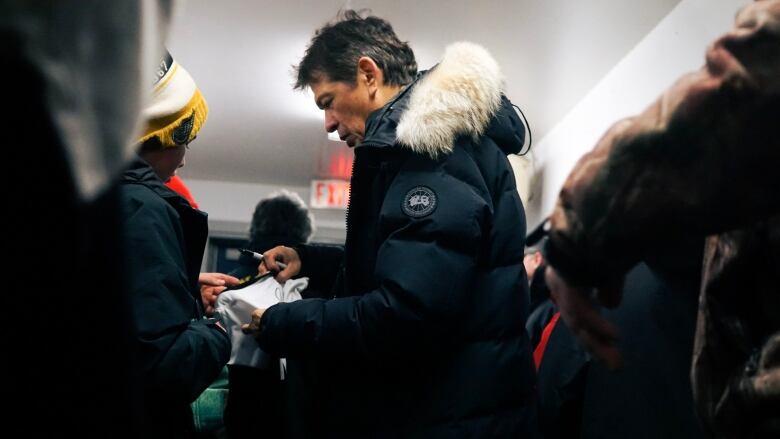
x=675 y=46
x=230 y=207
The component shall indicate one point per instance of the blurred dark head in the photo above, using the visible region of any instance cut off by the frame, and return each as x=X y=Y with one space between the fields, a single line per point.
x=283 y=217
x=533 y=258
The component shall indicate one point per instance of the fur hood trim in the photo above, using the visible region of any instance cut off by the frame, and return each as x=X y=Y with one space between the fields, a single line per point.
x=458 y=97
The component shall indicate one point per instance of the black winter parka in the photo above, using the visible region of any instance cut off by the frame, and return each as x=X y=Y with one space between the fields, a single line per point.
x=179 y=351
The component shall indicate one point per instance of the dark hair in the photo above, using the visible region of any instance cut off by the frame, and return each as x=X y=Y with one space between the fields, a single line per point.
x=336 y=48
x=282 y=214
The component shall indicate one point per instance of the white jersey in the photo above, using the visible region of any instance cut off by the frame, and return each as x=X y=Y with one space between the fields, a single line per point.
x=236 y=306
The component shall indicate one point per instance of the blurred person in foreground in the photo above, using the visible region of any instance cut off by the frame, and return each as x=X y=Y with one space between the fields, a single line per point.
x=701 y=161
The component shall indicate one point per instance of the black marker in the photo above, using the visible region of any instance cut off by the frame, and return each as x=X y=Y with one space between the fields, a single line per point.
x=259 y=257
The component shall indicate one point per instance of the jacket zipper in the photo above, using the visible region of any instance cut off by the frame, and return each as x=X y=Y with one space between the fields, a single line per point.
x=346 y=221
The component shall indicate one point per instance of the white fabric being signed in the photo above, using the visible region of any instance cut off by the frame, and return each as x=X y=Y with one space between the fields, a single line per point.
x=236 y=306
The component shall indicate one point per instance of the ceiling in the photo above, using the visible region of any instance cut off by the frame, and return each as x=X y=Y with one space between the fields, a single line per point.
x=241 y=54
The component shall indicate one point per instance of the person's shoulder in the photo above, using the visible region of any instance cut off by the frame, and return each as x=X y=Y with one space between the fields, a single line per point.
x=139 y=199
x=139 y=193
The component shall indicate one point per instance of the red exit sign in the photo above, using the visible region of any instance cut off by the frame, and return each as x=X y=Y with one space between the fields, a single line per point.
x=329 y=194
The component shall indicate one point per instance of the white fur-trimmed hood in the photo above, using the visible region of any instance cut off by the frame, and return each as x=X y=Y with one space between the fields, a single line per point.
x=458 y=97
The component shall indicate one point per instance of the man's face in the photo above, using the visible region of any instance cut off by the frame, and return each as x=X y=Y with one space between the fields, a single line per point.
x=346 y=108
x=166 y=161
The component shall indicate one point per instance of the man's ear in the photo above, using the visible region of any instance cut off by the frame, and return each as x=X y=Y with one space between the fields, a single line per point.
x=370 y=74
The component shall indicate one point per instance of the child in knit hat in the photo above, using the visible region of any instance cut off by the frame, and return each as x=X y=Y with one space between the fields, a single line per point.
x=179 y=350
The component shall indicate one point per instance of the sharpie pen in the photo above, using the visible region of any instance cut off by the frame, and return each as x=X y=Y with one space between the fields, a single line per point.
x=259 y=257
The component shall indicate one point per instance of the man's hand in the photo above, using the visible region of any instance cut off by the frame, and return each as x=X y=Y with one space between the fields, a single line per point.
x=211 y=285
x=287 y=255
x=253 y=327
x=598 y=335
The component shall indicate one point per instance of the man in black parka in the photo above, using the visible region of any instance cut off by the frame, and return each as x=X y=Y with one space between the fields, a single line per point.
x=180 y=352
x=425 y=334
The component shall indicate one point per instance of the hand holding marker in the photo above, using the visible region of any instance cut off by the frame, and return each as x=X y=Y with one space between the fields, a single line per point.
x=259 y=257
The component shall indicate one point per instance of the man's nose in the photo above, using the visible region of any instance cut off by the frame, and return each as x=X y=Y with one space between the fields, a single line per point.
x=331 y=124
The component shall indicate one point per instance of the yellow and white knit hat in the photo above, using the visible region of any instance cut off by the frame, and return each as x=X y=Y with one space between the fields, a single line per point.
x=177 y=109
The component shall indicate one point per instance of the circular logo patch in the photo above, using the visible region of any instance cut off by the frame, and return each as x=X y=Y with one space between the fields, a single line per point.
x=419 y=202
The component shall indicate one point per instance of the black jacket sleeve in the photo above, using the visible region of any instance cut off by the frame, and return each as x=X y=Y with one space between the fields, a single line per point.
x=180 y=353
x=321 y=264
x=192 y=362
x=425 y=266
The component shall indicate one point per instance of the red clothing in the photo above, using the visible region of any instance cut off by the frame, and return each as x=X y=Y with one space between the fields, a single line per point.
x=177 y=185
